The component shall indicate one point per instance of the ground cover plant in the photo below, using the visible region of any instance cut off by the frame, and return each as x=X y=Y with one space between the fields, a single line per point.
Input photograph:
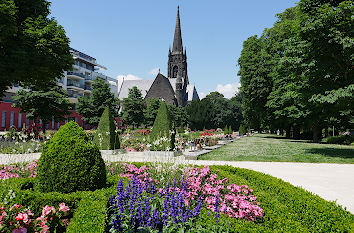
x=265 y=147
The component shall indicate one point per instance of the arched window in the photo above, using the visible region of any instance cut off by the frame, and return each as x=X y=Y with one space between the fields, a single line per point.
x=175 y=71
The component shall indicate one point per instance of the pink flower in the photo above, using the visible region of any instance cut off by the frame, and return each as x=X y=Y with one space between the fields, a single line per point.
x=63 y=207
x=23 y=217
x=20 y=230
x=47 y=210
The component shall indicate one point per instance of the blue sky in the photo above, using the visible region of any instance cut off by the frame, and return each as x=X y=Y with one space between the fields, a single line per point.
x=132 y=38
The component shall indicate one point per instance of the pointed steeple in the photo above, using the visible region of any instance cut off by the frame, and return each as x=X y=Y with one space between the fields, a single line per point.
x=177 y=41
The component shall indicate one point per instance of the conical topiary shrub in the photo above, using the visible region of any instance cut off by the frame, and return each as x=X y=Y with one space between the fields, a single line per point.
x=106 y=137
x=162 y=135
x=70 y=162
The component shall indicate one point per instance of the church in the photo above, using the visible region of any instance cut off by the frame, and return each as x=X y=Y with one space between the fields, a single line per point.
x=175 y=89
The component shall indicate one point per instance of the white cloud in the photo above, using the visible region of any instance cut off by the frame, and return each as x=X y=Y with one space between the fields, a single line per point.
x=228 y=90
x=154 y=71
x=126 y=77
x=202 y=95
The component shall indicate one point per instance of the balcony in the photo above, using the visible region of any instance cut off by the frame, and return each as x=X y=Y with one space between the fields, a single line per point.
x=74 y=85
x=74 y=95
x=88 y=88
x=74 y=74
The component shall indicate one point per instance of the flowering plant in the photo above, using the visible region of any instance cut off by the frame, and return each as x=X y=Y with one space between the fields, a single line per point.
x=10 y=171
x=18 y=219
x=140 y=207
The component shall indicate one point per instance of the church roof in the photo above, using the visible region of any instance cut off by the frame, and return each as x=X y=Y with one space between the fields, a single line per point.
x=177 y=41
x=192 y=93
x=143 y=85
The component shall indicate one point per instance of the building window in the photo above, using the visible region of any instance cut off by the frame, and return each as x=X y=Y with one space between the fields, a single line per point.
x=3 y=119
x=12 y=118
x=19 y=120
x=53 y=123
x=27 y=121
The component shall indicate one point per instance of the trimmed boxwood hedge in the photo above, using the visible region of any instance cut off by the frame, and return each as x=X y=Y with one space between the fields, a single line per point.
x=70 y=162
x=286 y=208
x=105 y=136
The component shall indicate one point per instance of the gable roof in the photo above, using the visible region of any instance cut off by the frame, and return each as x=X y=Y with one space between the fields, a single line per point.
x=161 y=88
x=143 y=85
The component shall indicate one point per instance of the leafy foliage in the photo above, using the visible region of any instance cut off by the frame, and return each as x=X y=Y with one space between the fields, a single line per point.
x=133 y=108
x=91 y=108
x=30 y=38
x=163 y=126
x=215 y=111
x=151 y=111
x=297 y=75
x=105 y=136
x=69 y=162
x=48 y=104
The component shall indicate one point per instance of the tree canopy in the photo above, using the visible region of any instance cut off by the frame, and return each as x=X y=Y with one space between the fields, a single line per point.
x=133 y=108
x=299 y=74
x=92 y=107
x=34 y=49
x=47 y=104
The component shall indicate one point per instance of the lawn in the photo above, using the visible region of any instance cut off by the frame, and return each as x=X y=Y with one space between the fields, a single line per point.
x=266 y=147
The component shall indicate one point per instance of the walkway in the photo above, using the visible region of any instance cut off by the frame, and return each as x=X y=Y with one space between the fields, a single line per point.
x=332 y=182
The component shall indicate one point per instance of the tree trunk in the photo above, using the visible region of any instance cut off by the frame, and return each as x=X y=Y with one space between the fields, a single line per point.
x=316 y=133
x=287 y=132
x=296 y=132
x=326 y=132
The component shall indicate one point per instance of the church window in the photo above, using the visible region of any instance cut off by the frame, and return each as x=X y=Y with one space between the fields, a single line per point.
x=175 y=71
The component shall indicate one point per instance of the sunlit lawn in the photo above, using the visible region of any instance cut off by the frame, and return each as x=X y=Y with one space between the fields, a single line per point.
x=265 y=147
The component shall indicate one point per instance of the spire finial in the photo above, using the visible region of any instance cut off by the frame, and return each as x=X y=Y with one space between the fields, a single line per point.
x=177 y=41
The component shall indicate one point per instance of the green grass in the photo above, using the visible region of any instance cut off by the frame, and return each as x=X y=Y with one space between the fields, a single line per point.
x=266 y=147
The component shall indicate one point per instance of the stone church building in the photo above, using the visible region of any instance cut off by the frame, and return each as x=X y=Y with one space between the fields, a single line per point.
x=175 y=89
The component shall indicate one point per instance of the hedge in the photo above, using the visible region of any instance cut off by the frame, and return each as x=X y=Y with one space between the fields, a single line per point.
x=286 y=208
x=70 y=162
x=341 y=139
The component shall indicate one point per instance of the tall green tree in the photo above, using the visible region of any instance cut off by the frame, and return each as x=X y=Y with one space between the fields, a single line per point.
x=46 y=104
x=34 y=49
x=151 y=111
x=178 y=115
x=255 y=82
x=92 y=107
x=133 y=108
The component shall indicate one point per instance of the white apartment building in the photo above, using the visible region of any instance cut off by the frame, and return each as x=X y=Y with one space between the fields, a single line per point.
x=78 y=81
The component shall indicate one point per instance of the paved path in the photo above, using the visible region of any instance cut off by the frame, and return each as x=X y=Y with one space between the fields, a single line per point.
x=332 y=182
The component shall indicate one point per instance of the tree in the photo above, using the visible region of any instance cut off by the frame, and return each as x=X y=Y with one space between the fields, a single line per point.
x=34 y=49
x=106 y=137
x=151 y=111
x=91 y=108
x=255 y=82
x=215 y=111
x=47 y=104
x=178 y=115
x=133 y=108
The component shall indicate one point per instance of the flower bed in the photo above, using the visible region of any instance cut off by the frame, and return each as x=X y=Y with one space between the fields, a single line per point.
x=284 y=208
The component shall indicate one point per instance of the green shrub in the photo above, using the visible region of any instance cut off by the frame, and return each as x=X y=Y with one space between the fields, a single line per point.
x=163 y=128
x=230 y=130
x=226 y=130
x=70 y=162
x=105 y=136
x=242 y=130
x=341 y=139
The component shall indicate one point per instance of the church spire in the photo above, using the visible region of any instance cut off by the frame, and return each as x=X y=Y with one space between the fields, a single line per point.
x=177 y=41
